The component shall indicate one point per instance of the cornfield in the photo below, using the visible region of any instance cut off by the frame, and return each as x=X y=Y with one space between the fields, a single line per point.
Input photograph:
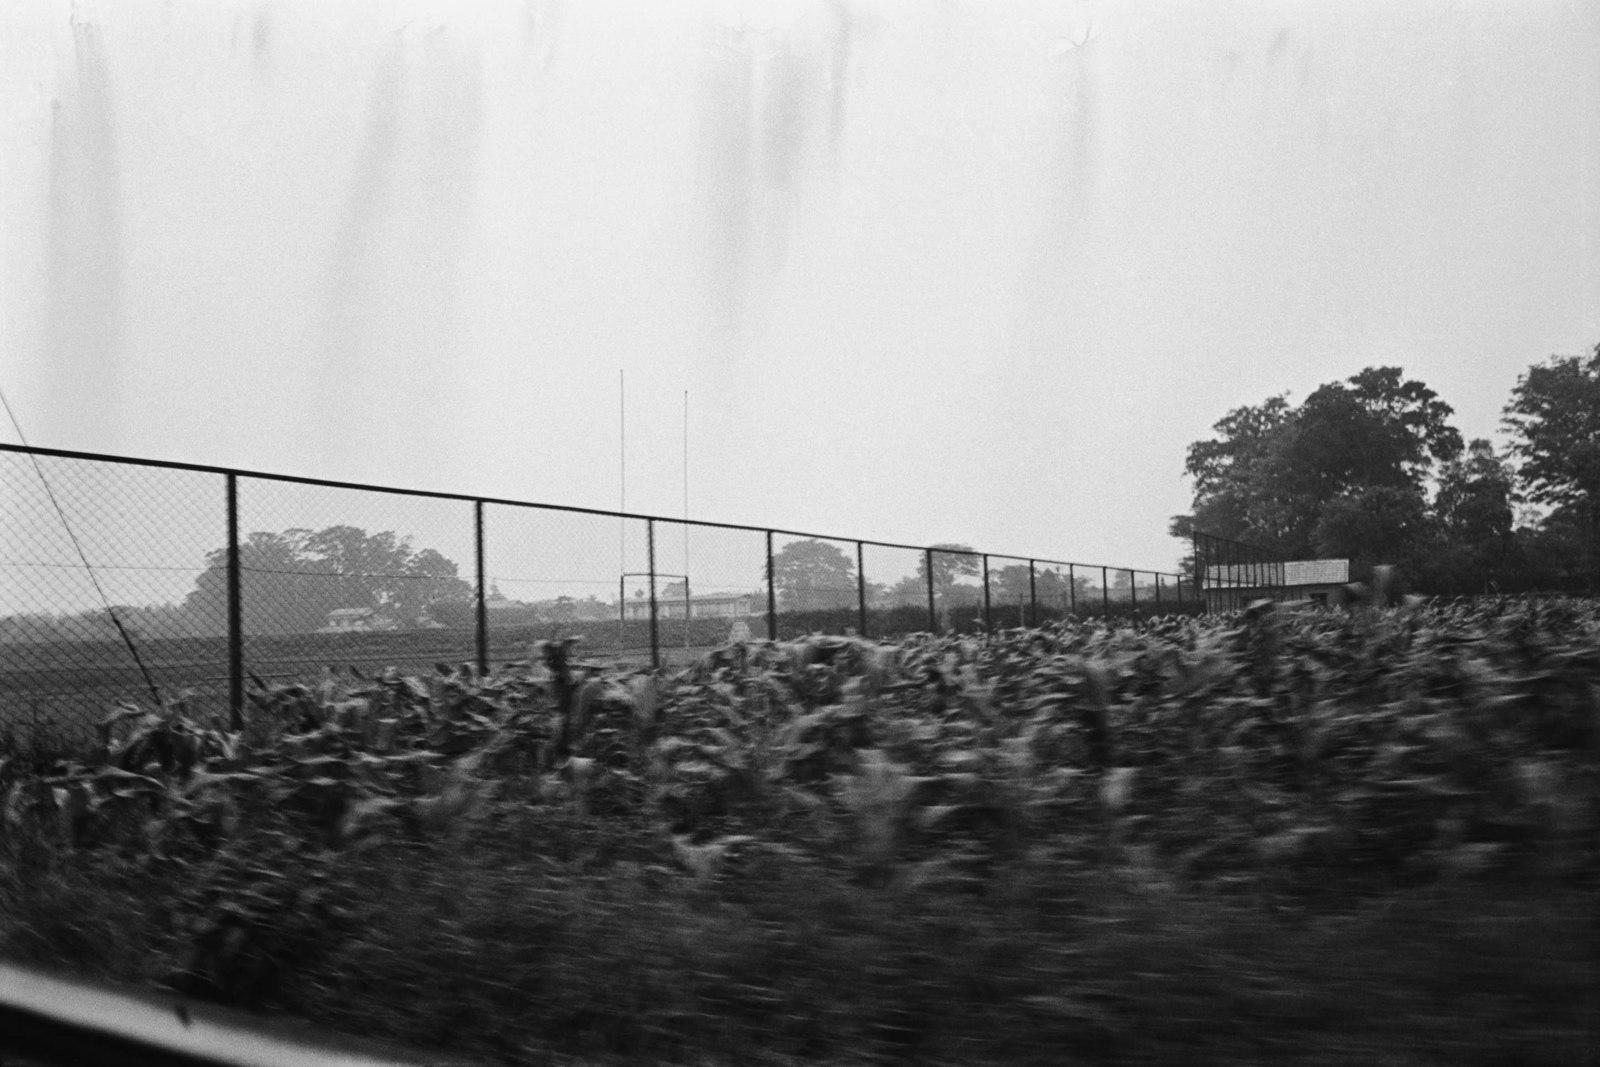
x=1297 y=762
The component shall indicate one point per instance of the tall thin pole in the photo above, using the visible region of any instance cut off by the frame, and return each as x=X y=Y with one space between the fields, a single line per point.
x=622 y=466
x=686 y=604
x=686 y=480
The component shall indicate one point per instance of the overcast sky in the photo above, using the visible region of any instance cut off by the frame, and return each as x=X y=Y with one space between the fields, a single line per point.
x=929 y=271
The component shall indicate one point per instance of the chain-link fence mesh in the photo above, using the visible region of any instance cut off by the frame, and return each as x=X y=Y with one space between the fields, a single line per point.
x=340 y=579
x=553 y=575
x=100 y=564
x=1011 y=592
x=897 y=591
x=720 y=594
x=815 y=586
x=1052 y=593
x=117 y=579
x=957 y=588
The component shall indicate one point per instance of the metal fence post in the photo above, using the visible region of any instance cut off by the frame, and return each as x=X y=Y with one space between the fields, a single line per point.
x=988 y=621
x=1105 y=589
x=1033 y=598
x=933 y=615
x=235 y=613
x=655 y=635
x=772 y=594
x=1157 y=576
x=861 y=584
x=1072 y=588
x=483 y=593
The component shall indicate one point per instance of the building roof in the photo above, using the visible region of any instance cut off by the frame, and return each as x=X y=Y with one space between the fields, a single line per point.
x=349 y=613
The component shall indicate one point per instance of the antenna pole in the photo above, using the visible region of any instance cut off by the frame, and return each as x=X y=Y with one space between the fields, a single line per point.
x=622 y=468
x=687 y=606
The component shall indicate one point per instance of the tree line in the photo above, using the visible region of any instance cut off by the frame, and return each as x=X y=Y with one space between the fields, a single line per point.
x=1370 y=469
x=289 y=582
x=812 y=575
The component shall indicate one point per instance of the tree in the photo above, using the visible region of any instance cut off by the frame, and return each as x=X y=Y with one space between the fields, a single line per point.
x=1371 y=524
x=1554 y=418
x=1346 y=471
x=1474 y=544
x=1235 y=477
x=1011 y=584
x=289 y=581
x=810 y=575
x=1372 y=431
x=429 y=579
x=907 y=591
x=950 y=562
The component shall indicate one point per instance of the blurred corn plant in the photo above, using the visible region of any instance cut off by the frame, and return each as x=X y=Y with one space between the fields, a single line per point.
x=1268 y=751
x=878 y=798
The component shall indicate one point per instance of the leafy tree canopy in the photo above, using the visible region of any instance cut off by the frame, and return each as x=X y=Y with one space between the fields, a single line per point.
x=1475 y=496
x=290 y=581
x=810 y=575
x=1473 y=547
x=1554 y=419
x=1010 y=584
x=950 y=563
x=1344 y=473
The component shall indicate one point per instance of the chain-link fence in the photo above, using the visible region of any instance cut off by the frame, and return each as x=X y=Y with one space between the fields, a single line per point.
x=134 y=580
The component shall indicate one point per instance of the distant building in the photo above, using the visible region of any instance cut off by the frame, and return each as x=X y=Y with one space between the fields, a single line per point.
x=699 y=606
x=356 y=620
x=1304 y=581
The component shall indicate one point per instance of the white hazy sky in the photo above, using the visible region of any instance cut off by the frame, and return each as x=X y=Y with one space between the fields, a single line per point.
x=929 y=271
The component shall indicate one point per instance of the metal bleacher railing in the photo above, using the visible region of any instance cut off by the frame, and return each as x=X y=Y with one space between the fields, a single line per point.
x=136 y=579
x=1230 y=574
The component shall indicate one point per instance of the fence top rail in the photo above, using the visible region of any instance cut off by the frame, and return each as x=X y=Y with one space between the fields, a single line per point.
x=329 y=483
